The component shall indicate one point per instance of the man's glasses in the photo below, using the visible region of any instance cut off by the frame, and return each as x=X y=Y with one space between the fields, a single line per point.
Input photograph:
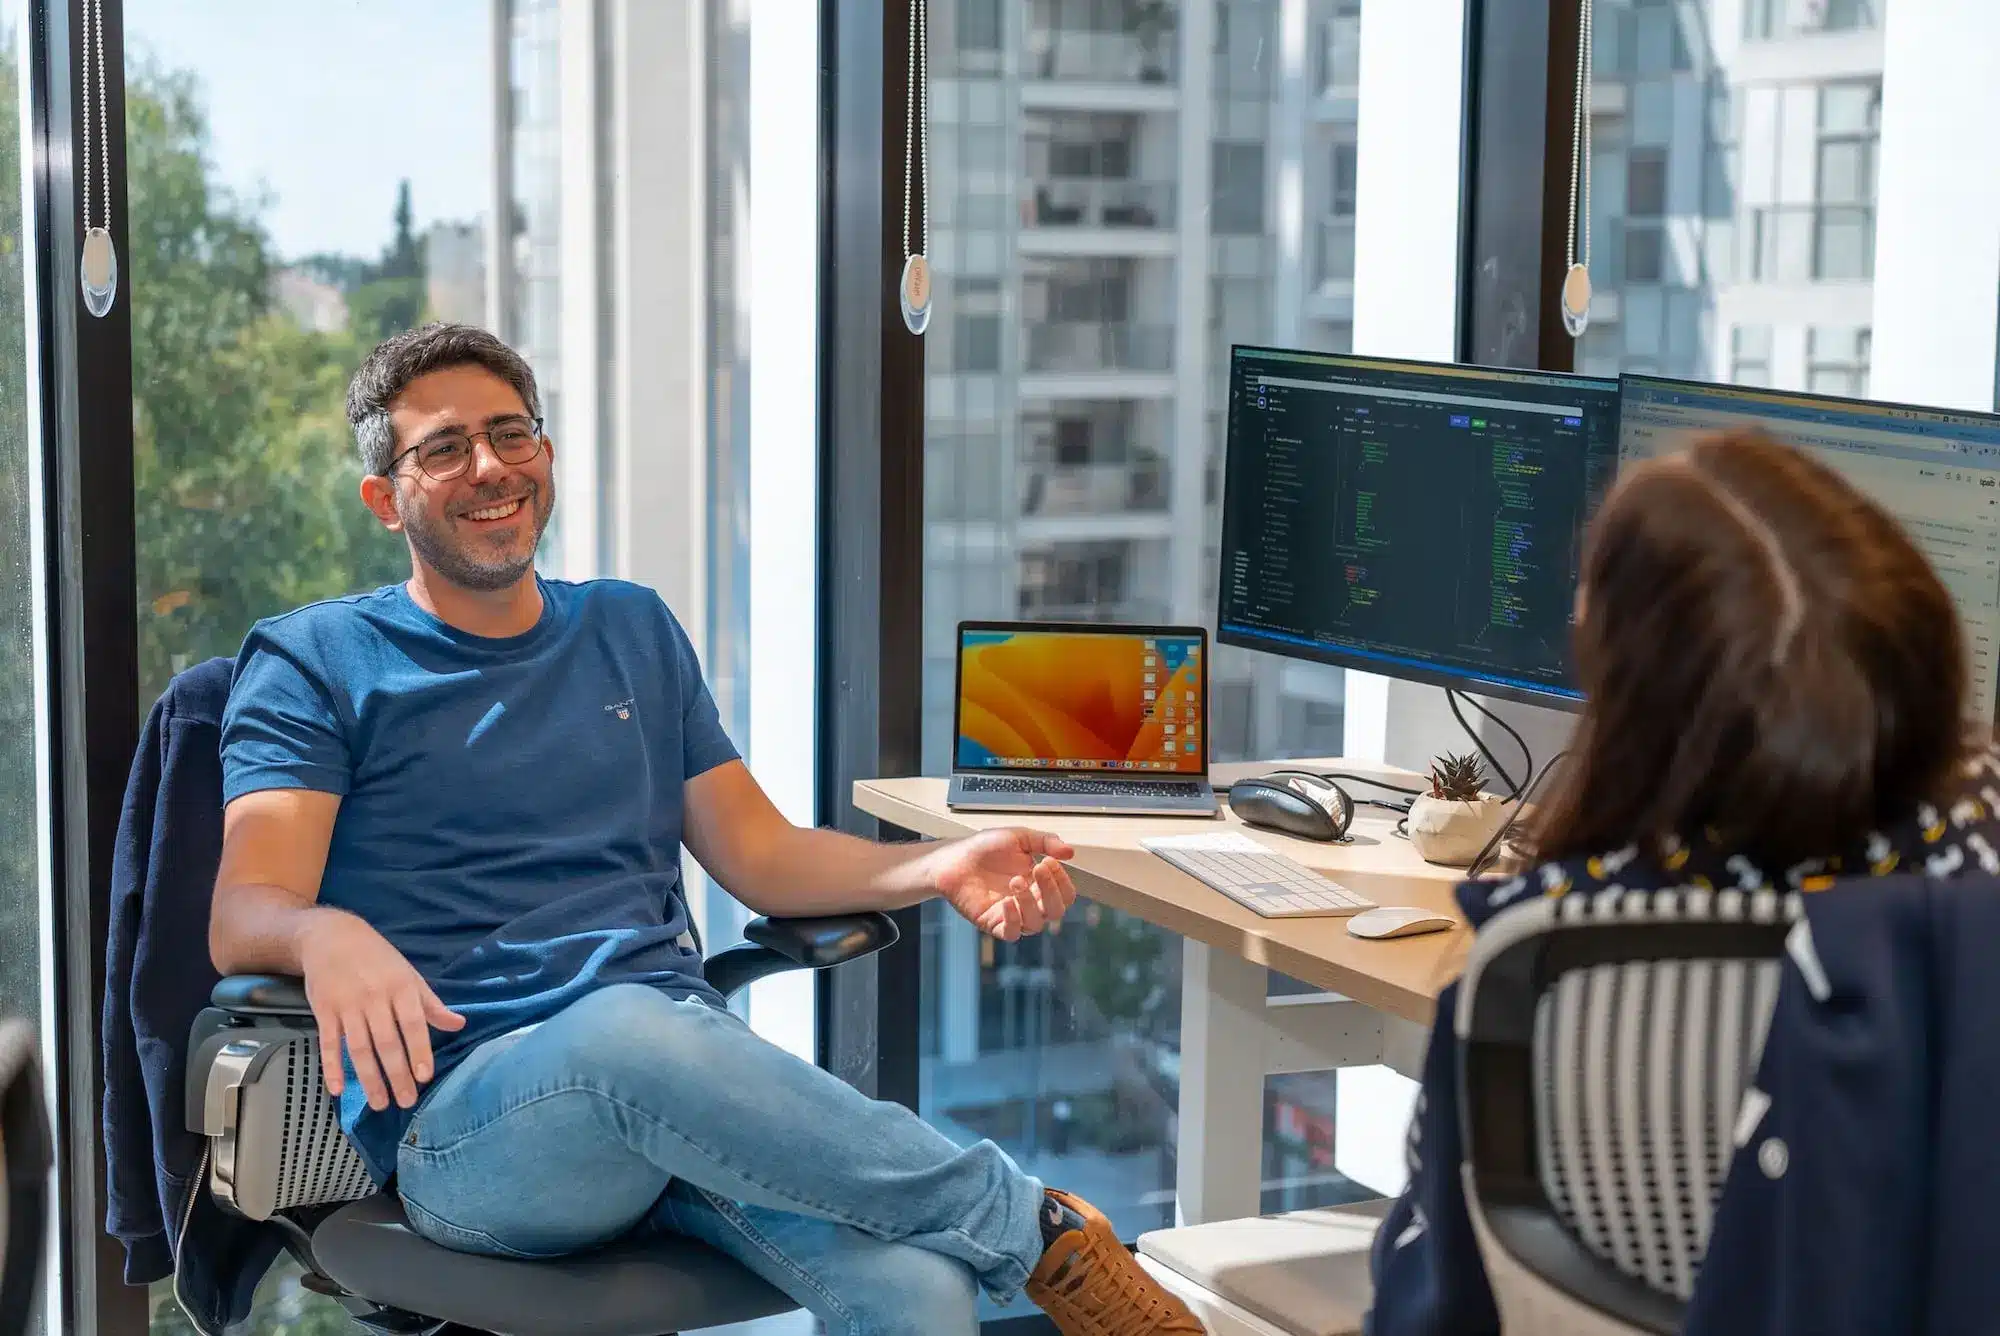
x=448 y=454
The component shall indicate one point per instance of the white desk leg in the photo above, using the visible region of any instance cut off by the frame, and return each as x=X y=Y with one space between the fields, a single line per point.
x=1373 y=1106
x=1221 y=1143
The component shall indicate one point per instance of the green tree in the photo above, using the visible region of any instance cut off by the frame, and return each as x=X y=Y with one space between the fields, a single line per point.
x=392 y=296
x=1122 y=970
x=246 y=477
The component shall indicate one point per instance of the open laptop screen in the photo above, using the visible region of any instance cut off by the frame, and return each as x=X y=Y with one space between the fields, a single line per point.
x=1125 y=699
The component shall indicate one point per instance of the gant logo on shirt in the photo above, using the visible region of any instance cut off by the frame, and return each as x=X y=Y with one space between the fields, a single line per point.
x=623 y=709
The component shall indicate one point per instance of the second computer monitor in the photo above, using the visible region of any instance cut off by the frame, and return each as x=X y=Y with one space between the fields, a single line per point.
x=1935 y=470
x=1411 y=519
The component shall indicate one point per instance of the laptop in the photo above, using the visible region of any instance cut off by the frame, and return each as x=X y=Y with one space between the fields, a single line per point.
x=1055 y=717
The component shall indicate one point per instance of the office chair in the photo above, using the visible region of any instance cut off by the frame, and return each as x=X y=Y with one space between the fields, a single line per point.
x=276 y=1153
x=1607 y=1042
x=25 y=1158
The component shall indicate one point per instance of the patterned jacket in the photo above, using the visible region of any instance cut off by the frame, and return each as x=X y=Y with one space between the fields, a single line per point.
x=1882 y=1071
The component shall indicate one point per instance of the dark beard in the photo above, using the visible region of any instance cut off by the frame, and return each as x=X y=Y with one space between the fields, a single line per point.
x=456 y=562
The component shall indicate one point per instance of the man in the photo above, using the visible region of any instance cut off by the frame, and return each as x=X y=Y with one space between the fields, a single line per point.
x=457 y=805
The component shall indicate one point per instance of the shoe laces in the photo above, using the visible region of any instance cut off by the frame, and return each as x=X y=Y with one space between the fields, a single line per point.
x=1117 y=1295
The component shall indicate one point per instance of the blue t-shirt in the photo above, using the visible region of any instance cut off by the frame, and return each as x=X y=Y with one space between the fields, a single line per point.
x=511 y=809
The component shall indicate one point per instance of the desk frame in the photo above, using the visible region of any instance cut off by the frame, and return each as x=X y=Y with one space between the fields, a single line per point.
x=1233 y=1034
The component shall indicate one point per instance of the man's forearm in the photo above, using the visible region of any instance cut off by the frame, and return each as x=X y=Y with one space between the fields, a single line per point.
x=803 y=873
x=261 y=929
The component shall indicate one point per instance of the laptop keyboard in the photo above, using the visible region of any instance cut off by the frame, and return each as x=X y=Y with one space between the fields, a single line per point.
x=1114 y=788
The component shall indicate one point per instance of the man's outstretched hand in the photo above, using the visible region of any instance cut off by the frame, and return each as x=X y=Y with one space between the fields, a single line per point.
x=1009 y=883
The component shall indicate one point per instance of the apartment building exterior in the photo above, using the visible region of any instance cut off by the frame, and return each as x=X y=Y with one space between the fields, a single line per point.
x=1122 y=189
x=1734 y=182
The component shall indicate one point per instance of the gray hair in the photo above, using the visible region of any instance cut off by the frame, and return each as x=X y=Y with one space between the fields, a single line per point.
x=402 y=358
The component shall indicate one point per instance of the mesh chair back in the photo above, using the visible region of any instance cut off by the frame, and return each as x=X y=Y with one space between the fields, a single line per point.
x=1610 y=1045
x=276 y=1143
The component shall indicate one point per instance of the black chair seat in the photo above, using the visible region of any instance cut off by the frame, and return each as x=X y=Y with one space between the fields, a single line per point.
x=643 y=1288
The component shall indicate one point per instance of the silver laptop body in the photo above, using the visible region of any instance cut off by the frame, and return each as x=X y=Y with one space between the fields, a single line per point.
x=1095 y=785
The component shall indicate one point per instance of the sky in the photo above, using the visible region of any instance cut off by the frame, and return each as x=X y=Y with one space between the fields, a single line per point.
x=326 y=104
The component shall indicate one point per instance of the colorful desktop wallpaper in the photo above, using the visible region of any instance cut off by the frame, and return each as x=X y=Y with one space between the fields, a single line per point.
x=1080 y=701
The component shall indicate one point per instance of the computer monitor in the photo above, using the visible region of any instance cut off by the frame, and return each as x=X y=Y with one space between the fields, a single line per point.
x=1937 y=472
x=1412 y=519
x=1042 y=696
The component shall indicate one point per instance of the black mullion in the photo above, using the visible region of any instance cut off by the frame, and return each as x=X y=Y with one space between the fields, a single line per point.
x=871 y=513
x=1520 y=100
x=93 y=611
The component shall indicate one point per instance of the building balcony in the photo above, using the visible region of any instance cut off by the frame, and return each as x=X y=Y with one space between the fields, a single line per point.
x=1080 y=55
x=1777 y=20
x=1066 y=347
x=1808 y=243
x=1083 y=202
x=1081 y=217
x=1094 y=489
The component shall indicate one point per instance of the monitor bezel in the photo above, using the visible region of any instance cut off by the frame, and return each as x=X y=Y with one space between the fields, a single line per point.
x=1450 y=679
x=1931 y=411
x=1199 y=633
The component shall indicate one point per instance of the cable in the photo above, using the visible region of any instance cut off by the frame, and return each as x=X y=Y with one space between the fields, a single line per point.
x=1499 y=837
x=1452 y=698
x=1527 y=753
x=1371 y=783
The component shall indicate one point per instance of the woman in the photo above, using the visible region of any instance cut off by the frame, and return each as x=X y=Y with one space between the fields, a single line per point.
x=1776 y=696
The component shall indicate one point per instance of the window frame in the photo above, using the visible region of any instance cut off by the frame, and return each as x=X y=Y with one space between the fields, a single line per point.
x=82 y=367
x=871 y=447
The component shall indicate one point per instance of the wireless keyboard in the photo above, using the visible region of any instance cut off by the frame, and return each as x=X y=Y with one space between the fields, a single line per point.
x=1263 y=882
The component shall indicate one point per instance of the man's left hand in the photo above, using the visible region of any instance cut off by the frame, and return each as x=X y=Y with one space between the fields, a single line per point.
x=1009 y=883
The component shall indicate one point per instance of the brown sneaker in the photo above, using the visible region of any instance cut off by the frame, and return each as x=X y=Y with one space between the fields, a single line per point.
x=1089 y=1285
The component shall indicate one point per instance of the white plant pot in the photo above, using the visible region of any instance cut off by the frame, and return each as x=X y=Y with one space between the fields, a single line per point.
x=1451 y=834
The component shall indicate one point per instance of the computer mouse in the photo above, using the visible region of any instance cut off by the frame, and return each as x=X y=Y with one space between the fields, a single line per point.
x=1293 y=802
x=1397 y=921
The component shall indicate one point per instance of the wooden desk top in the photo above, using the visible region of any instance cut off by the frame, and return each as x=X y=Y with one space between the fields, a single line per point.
x=1402 y=977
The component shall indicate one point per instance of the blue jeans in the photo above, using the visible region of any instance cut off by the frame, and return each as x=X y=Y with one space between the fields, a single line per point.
x=633 y=1112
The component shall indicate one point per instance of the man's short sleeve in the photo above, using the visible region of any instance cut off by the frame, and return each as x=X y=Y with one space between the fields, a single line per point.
x=704 y=743
x=280 y=729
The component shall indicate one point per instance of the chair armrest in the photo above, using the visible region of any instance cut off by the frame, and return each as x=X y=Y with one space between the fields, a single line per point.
x=262 y=995
x=815 y=943
x=778 y=945
x=781 y=944
x=254 y=1007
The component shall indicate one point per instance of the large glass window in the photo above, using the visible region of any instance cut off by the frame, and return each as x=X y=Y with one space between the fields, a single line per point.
x=1071 y=457
x=1734 y=190
x=20 y=807
x=268 y=253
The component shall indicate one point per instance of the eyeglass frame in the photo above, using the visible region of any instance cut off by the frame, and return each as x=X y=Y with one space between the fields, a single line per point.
x=471 y=439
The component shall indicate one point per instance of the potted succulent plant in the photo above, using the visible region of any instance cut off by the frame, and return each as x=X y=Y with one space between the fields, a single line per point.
x=1451 y=824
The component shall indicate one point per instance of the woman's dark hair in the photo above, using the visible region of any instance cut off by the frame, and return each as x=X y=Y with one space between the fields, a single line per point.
x=1765 y=655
